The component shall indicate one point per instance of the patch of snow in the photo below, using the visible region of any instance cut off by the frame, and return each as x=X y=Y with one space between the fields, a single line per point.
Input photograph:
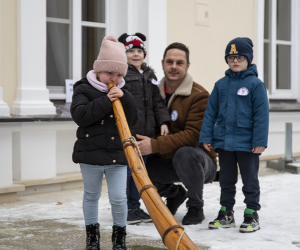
x=279 y=216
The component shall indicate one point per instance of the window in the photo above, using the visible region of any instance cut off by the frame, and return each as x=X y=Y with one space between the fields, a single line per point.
x=75 y=30
x=93 y=31
x=279 y=48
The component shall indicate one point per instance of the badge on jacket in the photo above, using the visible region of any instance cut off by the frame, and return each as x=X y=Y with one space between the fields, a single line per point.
x=155 y=82
x=243 y=91
x=174 y=115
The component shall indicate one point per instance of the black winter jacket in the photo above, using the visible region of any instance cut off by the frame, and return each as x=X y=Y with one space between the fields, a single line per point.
x=148 y=101
x=98 y=141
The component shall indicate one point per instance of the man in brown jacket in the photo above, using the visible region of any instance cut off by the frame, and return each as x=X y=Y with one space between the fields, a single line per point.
x=178 y=157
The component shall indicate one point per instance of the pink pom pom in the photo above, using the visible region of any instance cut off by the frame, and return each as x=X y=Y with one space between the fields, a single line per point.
x=110 y=38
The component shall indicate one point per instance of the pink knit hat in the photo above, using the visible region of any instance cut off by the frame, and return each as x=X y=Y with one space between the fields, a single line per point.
x=112 y=56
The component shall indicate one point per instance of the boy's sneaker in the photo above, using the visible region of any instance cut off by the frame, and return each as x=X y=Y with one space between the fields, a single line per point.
x=144 y=217
x=132 y=218
x=251 y=221
x=225 y=219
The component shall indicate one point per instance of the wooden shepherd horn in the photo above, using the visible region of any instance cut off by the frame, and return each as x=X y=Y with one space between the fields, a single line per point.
x=165 y=223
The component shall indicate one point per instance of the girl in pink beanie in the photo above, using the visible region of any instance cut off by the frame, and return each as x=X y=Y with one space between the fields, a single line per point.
x=98 y=148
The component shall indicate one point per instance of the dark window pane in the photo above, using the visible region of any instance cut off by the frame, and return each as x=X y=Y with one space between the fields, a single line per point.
x=284 y=20
x=93 y=11
x=91 y=42
x=58 y=45
x=266 y=65
x=58 y=9
x=283 y=67
x=267 y=17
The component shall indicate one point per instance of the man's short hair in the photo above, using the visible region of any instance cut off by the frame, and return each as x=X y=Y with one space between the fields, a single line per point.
x=180 y=46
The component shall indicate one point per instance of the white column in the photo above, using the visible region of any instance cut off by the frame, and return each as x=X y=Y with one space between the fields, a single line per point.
x=4 y=109
x=6 y=158
x=157 y=34
x=34 y=153
x=65 y=140
x=76 y=35
x=259 y=37
x=297 y=47
x=32 y=97
x=131 y=16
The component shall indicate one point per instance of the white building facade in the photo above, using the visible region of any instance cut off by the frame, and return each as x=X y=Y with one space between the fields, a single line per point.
x=56 y=40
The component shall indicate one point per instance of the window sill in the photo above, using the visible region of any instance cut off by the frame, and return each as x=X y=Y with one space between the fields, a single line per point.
x=62 y=114
x=57 y=92
x=57 y=96
x=284 y=106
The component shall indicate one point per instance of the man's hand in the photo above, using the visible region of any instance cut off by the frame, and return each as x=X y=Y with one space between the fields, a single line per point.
x=164 y=130
x=207 y=146
x=258 y=150
x=145 y=144
x=114 y=94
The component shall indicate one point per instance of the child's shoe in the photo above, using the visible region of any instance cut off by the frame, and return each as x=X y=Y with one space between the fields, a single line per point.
x=251 y=221
x=132 y=218
x=119 y=238
x=92 y=237
x=144 y=217
x=225 y=219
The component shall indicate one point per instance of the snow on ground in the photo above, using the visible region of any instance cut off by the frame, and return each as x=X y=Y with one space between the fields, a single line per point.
x=279 y=216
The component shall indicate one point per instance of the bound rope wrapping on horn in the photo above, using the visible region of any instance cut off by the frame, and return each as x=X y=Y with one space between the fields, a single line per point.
x=171 y=228
x=135 y=144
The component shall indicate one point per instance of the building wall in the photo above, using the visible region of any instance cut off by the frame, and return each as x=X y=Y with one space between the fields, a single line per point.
x=227 y=20
x=9 y=75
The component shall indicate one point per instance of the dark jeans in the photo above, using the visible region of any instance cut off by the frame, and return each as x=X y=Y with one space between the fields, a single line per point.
x=132 y=192
x=190 y=165
x=249 y=166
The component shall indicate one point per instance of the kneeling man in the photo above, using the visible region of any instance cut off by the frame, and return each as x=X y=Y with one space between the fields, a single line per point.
x=178 y=157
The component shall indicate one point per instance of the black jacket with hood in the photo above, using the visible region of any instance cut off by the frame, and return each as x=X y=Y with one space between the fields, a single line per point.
x=148 y=101
x=98 y=141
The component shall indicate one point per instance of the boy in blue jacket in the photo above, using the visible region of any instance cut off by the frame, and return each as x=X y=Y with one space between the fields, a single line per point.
x=235 y=124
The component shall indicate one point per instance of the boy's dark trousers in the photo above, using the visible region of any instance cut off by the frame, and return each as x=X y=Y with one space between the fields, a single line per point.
x=249 y=166
x=132 y=192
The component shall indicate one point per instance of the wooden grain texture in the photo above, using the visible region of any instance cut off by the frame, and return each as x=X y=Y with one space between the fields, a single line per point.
x=160 y=214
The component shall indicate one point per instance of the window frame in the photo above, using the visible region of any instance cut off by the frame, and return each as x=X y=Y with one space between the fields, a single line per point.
x=76 y=24
x=275 y=93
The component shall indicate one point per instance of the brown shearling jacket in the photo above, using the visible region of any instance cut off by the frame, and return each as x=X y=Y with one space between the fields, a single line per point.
x=186 y=107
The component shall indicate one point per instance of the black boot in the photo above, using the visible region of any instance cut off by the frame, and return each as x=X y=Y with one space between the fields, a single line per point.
x=174 y=202
x=193 y=216
x=119 y=238
x=92 y=237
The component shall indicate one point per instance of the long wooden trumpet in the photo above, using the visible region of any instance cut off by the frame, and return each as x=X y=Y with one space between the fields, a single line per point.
x=173 y=235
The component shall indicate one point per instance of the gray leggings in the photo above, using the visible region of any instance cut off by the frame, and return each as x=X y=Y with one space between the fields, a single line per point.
x=116 y=176
x=190 y=165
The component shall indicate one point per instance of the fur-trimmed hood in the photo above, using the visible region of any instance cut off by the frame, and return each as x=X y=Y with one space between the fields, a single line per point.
x=186 y=108
x=184 y=89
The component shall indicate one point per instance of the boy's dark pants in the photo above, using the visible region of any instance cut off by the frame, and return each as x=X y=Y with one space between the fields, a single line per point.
x=249 y=165
x=133 y=196
x=190 y=165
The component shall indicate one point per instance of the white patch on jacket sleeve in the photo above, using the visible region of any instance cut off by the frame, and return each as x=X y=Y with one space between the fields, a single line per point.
x=174 y=115
x=155 y=82
x=243 y=91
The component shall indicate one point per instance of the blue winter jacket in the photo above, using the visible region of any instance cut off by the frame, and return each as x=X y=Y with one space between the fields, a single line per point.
x=237 y=113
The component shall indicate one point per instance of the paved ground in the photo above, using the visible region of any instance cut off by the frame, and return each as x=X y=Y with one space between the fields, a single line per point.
x=46 y=234
x=21 y=233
